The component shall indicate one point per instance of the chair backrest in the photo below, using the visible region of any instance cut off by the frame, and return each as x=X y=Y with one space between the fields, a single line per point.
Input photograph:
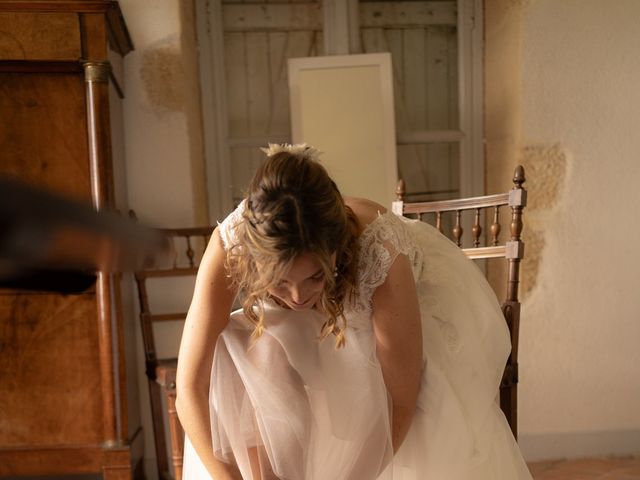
x=512 y=250
x=187 y=247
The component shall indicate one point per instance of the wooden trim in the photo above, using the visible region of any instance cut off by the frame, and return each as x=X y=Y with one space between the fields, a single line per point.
x=119 y=35
x=71 y=459
x=272 y=17
x=173 y=272
x=95 y=37
x=399 y=14
x=485 y=252
x=157 y=413
x=86 y=6
x=309 y=16
x=457 y=204
x=43 y=459
x=99 y=156
x=107 y=370
x=40 y=66
x=177 y=433
x=123 y=412
x=167 y=317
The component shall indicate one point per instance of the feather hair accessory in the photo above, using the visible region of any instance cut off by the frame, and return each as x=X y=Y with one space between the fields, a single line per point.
x=300 y=150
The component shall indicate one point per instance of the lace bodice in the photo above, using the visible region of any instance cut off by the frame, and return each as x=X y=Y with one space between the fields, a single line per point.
x=227 y=227
x=380 y=243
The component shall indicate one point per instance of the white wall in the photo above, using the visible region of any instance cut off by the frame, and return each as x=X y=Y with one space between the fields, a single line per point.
x=580 y=332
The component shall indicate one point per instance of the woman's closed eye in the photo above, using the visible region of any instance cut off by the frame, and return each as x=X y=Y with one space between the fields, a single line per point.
x=318 y=276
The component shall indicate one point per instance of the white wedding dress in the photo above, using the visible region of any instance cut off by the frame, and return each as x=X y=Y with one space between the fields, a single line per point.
x=304 y=410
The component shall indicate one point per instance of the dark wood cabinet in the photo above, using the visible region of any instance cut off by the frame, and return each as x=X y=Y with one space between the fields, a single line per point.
x=64 y=406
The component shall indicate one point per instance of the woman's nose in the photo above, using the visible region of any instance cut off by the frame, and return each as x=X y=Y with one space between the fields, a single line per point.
x=297 y=294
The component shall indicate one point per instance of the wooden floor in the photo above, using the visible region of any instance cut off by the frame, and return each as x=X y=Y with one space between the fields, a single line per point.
x=605 y=468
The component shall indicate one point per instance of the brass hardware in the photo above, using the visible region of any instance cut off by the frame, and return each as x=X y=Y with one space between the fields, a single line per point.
x=97 y=72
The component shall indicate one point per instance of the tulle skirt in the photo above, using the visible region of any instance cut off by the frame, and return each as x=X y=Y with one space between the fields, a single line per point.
x=294 y=408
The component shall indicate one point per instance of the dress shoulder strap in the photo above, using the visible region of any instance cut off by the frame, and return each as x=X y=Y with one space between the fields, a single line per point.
x=380 y=243
x=227 y=227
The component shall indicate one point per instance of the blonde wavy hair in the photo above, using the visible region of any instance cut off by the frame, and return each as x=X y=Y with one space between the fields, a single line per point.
x=293 y=207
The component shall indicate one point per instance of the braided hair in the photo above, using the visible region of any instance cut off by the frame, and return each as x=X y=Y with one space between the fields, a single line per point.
x=293 y=207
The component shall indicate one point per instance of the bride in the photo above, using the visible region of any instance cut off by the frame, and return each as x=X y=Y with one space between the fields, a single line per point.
x=367 y=345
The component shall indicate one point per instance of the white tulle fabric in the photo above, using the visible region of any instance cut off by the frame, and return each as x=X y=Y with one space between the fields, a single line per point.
x=292 y=407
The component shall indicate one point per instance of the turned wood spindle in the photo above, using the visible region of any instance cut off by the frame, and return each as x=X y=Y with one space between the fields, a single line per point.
x=400 y=190
x=174 y=252
x=190 y=252
x=477 y=229
x=495 y=226
x=516 y=210
x=457 y=229
x=439 y=222
x=517 y=202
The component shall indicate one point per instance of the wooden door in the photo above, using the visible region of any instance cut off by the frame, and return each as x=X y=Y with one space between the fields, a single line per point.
x=422 y=38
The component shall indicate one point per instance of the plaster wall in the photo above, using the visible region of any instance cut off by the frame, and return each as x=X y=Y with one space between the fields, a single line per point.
x=163 y=147
x=576 y=119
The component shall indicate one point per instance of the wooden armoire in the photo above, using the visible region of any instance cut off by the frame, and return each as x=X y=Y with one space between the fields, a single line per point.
x=64 y=403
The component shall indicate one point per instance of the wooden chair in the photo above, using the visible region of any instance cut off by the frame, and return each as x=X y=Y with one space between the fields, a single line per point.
x=187 y=245
x=512 y=250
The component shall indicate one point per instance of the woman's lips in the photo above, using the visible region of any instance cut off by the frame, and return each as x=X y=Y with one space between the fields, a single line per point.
x=303 y=304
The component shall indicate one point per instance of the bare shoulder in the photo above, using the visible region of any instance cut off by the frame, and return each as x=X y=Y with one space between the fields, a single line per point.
x=366 y=210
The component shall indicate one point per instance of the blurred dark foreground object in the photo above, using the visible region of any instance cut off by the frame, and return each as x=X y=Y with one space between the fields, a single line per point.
x=55 y=244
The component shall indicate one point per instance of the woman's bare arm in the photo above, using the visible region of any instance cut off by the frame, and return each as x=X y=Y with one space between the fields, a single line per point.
x=398 y=332
x=208 y=315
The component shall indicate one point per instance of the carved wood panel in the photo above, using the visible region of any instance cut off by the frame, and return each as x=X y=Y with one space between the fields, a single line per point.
x=50 y=390
x=43 y=140
x=35 y=36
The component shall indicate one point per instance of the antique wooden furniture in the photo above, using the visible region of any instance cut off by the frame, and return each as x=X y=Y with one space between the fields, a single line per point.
x=512 y=250
x=65 y=393
x=188 y=245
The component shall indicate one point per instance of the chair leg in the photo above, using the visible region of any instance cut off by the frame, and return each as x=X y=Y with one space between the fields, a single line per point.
x=177 y=434
x=155 y=395
x=509 y=405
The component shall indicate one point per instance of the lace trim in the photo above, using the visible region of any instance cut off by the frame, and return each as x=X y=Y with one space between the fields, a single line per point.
x=227 y=227
x=380 y=243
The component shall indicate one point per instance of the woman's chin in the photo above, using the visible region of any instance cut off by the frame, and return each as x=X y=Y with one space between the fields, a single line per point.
x=307 y=305
x=300 y=307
